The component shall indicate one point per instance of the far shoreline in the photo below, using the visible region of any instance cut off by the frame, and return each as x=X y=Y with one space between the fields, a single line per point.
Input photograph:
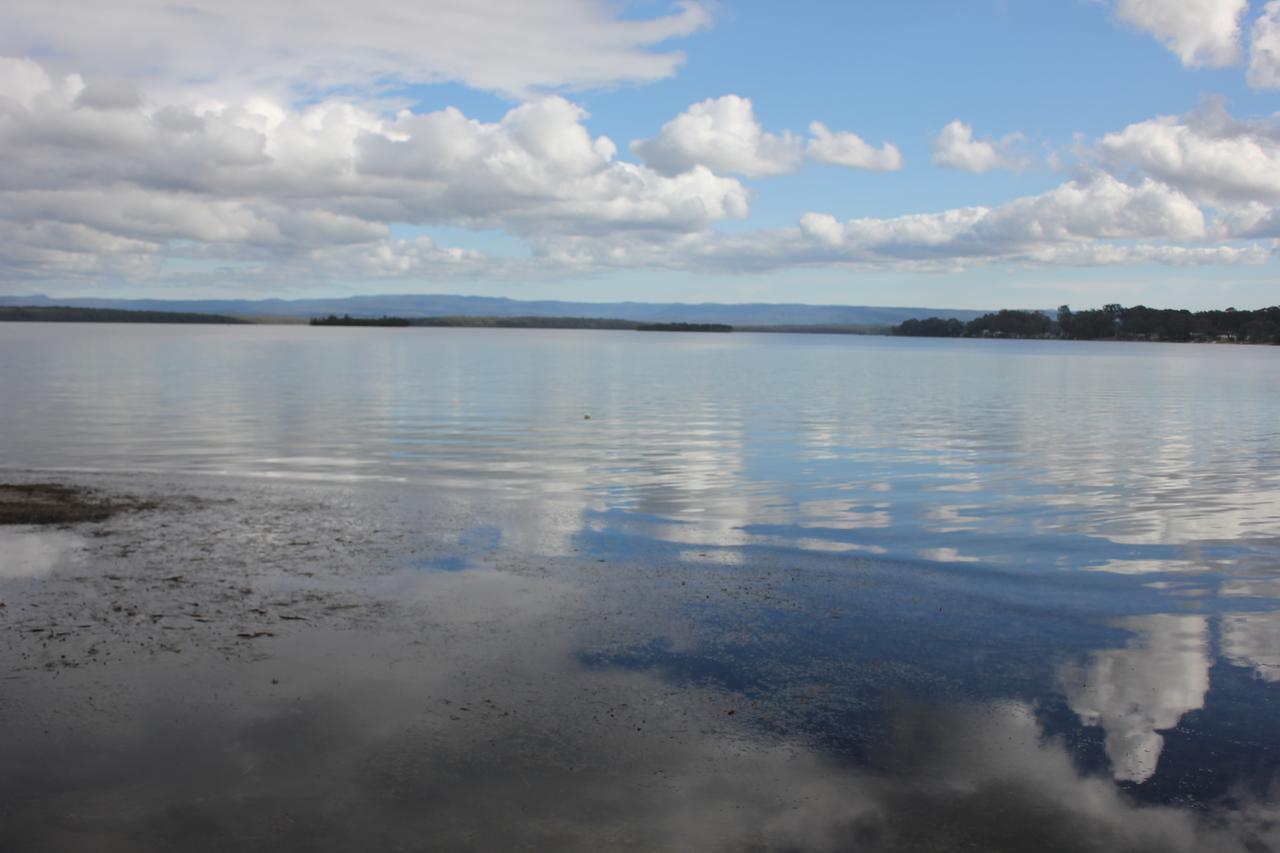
x=1131 y=325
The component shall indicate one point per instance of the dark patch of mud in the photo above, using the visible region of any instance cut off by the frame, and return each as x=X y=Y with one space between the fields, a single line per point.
x=53 y=503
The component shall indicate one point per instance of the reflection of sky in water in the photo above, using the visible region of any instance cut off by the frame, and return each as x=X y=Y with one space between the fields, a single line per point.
x=1135 y=692
x=1253 y=640
x=1090 y=530
x=1031 y=455
x=28 y=552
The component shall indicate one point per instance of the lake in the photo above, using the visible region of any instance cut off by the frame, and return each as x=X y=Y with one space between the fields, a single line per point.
x=604 y=590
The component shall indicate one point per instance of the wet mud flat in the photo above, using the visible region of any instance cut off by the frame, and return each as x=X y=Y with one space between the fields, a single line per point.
x=245 y=665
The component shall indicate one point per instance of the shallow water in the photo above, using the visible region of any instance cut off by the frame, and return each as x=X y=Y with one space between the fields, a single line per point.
x=995 y=588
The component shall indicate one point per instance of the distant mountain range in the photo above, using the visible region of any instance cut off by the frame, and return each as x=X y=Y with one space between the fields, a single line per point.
x=415 y=305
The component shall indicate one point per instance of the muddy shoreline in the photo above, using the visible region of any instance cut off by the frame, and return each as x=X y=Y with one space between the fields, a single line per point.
x=237 y=664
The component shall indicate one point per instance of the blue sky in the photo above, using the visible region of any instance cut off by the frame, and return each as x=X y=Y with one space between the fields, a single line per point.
x=970 y=154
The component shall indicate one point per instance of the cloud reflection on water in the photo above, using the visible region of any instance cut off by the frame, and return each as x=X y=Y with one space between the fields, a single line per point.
x=34 y=552
x=1253 y=640
x=474 y=730
x=701 y=456
x=1092 y=446
x=1134 y=692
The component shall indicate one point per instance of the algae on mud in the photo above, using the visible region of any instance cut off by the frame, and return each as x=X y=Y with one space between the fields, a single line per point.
x=55 y=503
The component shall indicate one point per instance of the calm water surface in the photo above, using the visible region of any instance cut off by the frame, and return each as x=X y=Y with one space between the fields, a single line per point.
x=1082 y=539
x=1026 y=455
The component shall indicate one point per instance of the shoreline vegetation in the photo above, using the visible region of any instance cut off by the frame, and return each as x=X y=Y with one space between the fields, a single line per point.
x=67 y=314
x=519 y=323
x=684 y=327
x=463 y=321
x=348 y=320
x=1109 y=323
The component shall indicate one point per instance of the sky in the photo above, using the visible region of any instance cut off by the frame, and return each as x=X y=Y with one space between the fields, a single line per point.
x=967 y=154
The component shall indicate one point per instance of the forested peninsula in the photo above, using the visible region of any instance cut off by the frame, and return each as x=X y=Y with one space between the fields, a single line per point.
x=1109 y=323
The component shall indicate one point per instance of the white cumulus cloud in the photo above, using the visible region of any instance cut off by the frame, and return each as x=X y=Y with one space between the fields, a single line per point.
x=843 y=148
x=1092 y=221
x=1206 y=154
x=88 y=177
x=1200 y=32
x=956 y=148
x=1041 y=227
x=723 y=135
x=104 y=180
x=1264 y=48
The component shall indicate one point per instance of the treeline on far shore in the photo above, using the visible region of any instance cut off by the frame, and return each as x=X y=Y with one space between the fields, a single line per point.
x=524 y=322
x=66 y=314
x=480 y=322
x=519 y=323
x=684 y=327
x=348 y=320
x=1109 y=323
x=567 y=323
